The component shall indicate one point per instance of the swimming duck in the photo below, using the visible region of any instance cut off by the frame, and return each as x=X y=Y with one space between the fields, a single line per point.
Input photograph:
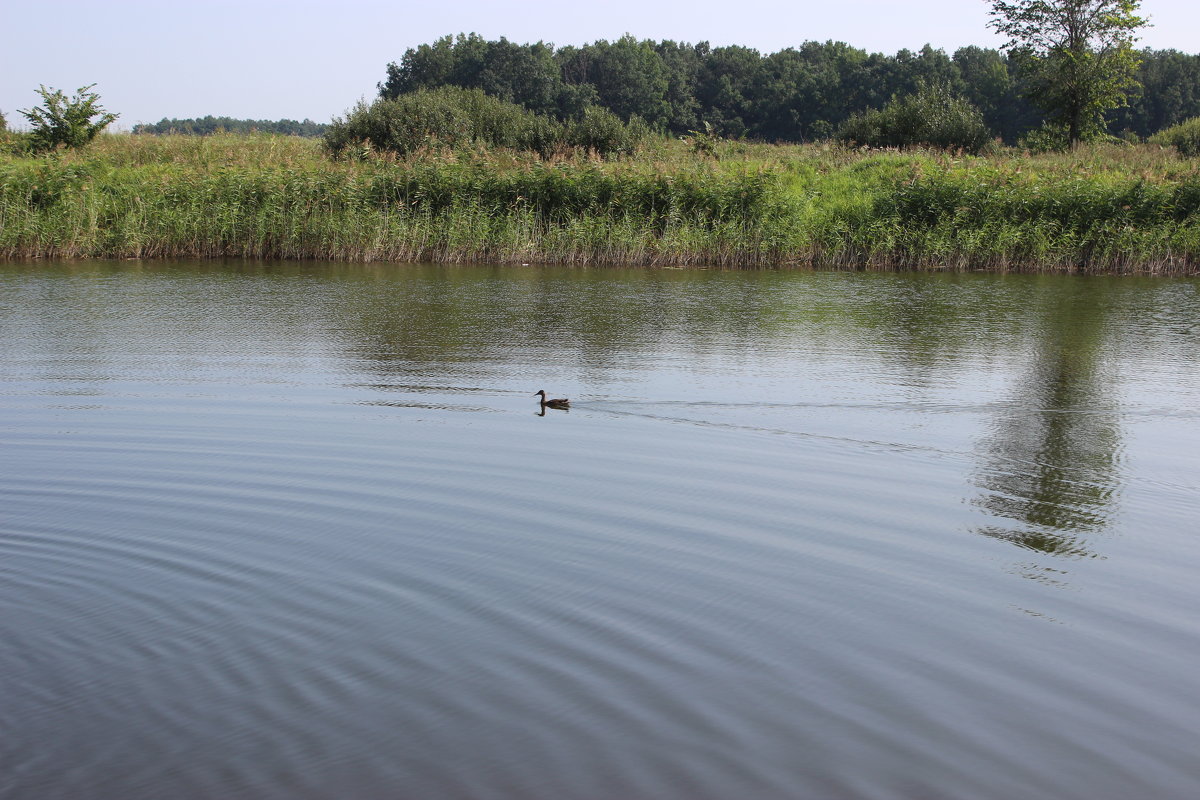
x=558 y=402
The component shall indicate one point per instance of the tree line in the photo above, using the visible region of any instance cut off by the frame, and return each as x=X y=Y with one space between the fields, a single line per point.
x=796 y=94
x=206 y=126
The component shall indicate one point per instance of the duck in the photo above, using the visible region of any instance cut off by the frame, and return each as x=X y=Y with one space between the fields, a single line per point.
x=557 y=402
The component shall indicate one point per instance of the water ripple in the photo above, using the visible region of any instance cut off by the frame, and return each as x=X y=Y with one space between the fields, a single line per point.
x=304 y=535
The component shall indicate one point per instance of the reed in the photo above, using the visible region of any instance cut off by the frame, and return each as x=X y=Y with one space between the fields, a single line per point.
x=1115 y=209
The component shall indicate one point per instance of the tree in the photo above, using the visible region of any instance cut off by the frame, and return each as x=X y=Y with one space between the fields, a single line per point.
x=1077 y=56
x=682 y=63
x=989 y=82
x=526 y=74
x=1170 y=93
x=66 y=121
x=728 y=81
x=630 y=78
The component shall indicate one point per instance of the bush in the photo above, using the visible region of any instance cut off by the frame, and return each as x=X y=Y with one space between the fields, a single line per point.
x=704 y=143
x=453 y=117
x=933 y=116
x=1184 y=137
x=1055 y=137
x=601 y=130
x=66 y=122
x=443 y=117
x=11 y=142
x=1051 y=137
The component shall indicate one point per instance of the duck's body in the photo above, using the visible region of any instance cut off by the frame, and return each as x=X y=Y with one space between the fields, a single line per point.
x=557 y=402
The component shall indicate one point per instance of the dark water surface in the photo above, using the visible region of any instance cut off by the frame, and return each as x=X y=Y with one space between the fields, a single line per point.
x=296 y=531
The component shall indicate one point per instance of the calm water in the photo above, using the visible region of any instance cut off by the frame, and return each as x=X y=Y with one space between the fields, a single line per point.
x=296 y=531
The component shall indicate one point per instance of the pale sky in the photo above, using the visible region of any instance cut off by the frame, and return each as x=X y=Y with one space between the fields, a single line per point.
x=264 y=59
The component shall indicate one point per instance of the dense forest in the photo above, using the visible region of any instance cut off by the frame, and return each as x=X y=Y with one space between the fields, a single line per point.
x=206 y=126
x=793 y=95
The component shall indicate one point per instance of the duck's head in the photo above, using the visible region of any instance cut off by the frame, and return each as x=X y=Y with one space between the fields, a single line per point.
x=542 y=392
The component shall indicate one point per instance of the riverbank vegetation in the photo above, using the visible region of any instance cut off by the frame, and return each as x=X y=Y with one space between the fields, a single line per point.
x=799 y=94
x=697 y=200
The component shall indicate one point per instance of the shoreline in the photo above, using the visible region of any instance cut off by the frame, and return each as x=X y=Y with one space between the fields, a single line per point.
x=1110 y=210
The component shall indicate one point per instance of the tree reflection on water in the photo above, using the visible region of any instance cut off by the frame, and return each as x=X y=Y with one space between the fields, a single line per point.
x=1050 y=464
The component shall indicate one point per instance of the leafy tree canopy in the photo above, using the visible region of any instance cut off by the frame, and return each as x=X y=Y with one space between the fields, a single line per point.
x=1077 y=56
x=795 y=94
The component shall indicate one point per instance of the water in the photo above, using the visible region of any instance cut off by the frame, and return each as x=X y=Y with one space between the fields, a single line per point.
x=297 y=531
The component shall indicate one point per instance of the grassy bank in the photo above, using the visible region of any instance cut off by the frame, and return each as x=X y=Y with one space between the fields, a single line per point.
x=1115 y=209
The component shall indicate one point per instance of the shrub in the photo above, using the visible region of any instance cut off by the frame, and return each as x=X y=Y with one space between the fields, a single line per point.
x=933 y=116
x=443 y=117
x=601 y=130
x=12 y=142
x=453 y=117
x=66 y=121
x=1051 y=137
x=704 y=143
x=401 y=125
x=1184 y=137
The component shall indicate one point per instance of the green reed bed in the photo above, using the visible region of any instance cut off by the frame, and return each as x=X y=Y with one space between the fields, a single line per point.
x=986 y=215
x=752 y=206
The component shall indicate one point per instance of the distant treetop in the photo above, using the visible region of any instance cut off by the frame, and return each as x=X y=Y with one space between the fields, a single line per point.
x=206 y=126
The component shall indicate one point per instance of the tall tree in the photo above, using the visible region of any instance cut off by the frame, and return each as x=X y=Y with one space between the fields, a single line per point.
x=728 y=82
x=1077 y=56
x=1170 y=93
x=682 y=63
x=628 y=75
x=990 y=84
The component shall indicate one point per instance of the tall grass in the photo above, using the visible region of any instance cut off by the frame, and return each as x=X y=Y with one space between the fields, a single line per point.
x=1100 y=209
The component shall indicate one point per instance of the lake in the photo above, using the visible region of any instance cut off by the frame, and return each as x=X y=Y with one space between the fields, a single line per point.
x=300 y=531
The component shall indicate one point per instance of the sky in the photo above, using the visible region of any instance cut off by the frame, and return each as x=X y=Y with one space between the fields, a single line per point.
x=263 y=59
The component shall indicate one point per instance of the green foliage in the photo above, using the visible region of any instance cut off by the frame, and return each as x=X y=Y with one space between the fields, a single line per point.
x=1076 y=56
x=210 y=125
x=1184 y=137
x=934 y=116
x=1101 y=208
x=446 y=117
x=66 y=122
x=796 y=94
x=991 y=81
x=601 y=131
x=704 y=143
x=1169 y=93
x=630 y=78
x=1049 y=138
x=11 y=141
x=450 y=117
x=525 y=74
